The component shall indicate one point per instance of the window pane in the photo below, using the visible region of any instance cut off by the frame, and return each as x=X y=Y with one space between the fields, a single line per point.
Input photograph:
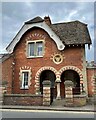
x=39 y=48
x=31 y=49
x=25 y=80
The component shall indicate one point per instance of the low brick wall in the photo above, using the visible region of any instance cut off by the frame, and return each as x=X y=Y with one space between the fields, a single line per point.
x=92 y=100
x=23 y=99
x=78 y=100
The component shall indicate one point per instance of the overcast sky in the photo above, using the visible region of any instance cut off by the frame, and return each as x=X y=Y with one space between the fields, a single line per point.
x=14 y=14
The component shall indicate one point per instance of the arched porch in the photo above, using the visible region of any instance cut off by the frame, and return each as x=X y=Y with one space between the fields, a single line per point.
x=48 y=75
x=72 y=76
x=57 y=79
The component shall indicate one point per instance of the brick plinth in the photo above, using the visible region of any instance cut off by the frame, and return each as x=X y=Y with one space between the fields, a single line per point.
x=46 y=93
x=22 y=99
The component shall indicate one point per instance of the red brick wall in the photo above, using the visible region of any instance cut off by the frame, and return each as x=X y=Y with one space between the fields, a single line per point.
x=73 y=56
x=90 y=80
x=7 y=73
x=12 y=99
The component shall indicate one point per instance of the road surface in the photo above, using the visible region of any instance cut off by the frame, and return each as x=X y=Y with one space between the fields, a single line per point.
x=10 y=113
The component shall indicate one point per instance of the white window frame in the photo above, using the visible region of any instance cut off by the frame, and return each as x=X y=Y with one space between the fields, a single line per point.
x=22 y=79
x=28 y=49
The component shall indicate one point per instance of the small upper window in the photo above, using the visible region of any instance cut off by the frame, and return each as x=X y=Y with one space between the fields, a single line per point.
x=39 y=48
x=31 y=49
x=35 y=49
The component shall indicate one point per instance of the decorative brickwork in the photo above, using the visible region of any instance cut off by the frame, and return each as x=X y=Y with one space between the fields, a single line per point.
x=72 y=68
x=57 y=58
x=68 y=92
x=75 y=69
x=58 y=74
x=46 y=93
x=37 y=77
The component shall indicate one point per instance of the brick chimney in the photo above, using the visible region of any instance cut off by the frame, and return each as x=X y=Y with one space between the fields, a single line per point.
x=47 y=20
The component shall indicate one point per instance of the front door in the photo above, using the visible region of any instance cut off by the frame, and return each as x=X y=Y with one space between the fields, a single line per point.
x=62 y=89
x=53 y=93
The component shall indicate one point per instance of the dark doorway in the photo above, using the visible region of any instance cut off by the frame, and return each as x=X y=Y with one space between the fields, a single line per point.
x=48 y=75
x=74 y=77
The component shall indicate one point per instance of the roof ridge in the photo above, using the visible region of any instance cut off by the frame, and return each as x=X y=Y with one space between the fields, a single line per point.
x=34 y=20
x=75 y=21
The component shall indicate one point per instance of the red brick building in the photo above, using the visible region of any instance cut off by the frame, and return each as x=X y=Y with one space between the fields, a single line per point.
x=45 y=51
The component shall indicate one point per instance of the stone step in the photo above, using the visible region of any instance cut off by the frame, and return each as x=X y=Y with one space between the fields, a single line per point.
x=58 y=102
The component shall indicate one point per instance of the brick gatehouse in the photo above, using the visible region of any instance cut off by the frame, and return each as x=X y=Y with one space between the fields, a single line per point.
x=42 y=51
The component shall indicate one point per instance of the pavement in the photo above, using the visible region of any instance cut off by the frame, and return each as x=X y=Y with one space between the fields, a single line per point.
x=86 y=108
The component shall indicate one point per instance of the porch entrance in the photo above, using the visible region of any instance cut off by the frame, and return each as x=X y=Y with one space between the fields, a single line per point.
x=48 y=75
x=74 y=77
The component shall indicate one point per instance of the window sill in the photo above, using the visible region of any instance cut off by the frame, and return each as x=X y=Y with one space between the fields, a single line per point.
x=24 y=88
x=35 y=57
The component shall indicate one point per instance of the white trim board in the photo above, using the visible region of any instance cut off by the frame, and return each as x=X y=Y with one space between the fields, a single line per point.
x=42 y=25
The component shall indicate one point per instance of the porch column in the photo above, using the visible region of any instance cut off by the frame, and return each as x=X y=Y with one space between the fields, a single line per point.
x=58 y=91
x=46 y=93
x=68 y=93
x=58 y=86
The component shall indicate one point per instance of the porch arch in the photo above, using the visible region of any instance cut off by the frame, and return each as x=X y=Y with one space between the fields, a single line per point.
x=37 y=77
x=76 y=70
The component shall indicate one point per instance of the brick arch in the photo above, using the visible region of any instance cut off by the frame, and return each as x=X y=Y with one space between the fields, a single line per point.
x=37 y=77
x=72 y=68
x=76 y=70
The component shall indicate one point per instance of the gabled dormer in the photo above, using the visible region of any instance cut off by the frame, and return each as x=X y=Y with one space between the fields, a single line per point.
x=39 y=23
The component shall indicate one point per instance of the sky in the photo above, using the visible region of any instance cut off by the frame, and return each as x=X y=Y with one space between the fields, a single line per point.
x=14 y=14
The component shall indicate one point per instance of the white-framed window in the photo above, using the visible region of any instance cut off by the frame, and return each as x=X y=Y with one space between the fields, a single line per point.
x=25 y=77
x=35 y=48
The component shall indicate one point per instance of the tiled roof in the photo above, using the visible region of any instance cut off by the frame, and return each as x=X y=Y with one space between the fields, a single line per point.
x=72 y=32
x=35 y=20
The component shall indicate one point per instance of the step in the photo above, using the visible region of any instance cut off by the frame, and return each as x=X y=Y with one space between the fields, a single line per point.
x=58 y=102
